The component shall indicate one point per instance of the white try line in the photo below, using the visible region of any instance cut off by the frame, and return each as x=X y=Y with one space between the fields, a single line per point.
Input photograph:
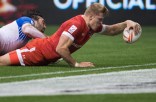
x=133 y=81
x=75 y=71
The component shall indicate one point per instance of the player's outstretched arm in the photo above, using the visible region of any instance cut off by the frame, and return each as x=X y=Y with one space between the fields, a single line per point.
x=32 y=32
x=118 y=28
x=63 y=50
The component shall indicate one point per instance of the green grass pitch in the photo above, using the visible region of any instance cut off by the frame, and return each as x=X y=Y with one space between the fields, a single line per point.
x=103 y=51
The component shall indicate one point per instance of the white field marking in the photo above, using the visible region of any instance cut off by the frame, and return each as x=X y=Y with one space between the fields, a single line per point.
x=75 y=71
x=134 y=81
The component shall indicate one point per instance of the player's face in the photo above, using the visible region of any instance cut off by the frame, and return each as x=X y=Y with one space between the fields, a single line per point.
x=41 y=25
x=96 y=21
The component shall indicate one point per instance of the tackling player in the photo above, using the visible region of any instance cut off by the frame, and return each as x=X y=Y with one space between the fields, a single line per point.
x=70 y=37
x=17 y=33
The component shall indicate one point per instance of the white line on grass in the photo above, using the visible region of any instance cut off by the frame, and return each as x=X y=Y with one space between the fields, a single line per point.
x=75 y=71
x=134 y=81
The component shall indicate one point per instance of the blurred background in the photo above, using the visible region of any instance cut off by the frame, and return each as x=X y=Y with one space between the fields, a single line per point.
x=57 y=11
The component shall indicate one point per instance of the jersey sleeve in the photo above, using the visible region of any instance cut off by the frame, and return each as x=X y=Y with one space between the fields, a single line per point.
x=101 y=29
x=23 y=20
x=72 y=30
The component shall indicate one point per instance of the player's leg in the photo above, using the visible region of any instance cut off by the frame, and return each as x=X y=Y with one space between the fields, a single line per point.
x=5 y=60
x=10 y=58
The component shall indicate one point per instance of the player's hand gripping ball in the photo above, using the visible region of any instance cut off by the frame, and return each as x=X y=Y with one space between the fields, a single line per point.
x=129 y=35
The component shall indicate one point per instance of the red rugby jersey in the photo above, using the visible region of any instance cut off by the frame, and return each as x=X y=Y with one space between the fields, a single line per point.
x=77 y=27
x=46 y=48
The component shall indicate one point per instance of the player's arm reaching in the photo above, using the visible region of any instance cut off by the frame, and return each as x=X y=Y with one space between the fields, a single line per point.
x=63 y=50
x=119 y=27
x=31 y=31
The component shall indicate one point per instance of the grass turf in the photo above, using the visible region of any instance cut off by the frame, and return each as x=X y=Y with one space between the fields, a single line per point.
x=104 y=51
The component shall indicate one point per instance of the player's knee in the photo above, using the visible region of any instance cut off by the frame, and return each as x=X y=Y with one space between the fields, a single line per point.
x=1 y=61
x=4 y=60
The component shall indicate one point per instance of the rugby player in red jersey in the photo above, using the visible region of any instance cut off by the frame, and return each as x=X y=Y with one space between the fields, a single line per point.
x=70 y=37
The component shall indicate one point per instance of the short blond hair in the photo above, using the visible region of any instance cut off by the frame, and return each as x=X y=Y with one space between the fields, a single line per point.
x=96 y=8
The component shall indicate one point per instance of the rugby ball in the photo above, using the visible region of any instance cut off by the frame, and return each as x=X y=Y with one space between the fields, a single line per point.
x=129 y=35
